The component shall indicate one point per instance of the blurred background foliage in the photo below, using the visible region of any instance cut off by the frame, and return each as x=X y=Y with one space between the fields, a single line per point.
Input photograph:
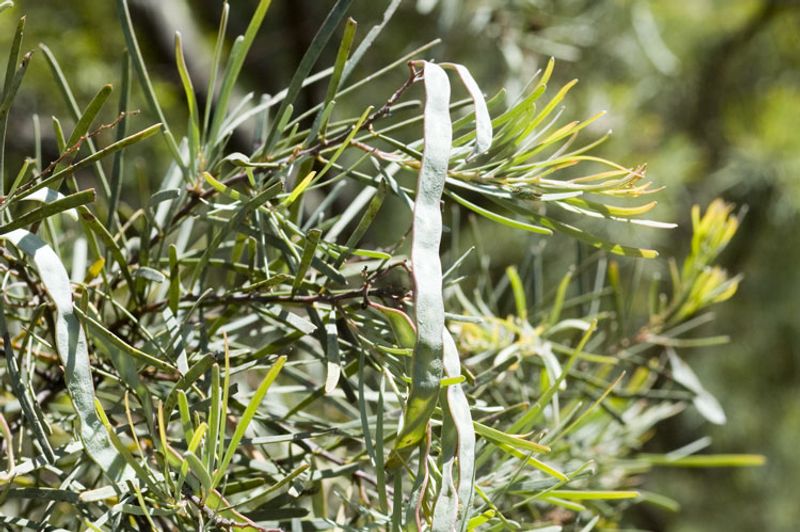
x=706 y=92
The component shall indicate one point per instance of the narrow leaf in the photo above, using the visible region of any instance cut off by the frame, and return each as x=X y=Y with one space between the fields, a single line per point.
x=247 y=417
x=64 y=204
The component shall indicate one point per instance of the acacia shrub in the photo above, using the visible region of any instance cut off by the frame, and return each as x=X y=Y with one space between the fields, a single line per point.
x=237 y=351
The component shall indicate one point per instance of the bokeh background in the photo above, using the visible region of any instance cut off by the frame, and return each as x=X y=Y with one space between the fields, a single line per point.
x=707 y=92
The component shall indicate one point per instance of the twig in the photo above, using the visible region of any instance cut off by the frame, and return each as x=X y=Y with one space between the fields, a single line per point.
x=220 y=521
x=383 y=111
x=77 y=146
x=228 y=299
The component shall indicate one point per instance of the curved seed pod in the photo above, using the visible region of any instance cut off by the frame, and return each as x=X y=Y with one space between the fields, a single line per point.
x=483 y=122
x=426 y=265
x=451 y=510
x=71 y=345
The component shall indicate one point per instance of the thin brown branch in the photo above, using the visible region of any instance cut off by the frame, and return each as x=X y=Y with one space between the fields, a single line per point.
x=384 y=111
x=70 y=150
x=222 y=522
x=251 y=299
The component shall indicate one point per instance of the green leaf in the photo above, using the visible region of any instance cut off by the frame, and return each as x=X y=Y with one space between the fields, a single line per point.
x=299 y=189
x=246 y=418
x=705 y=460
x=11 y=91
x=117 y=170
x=187 y=380
x=478 y=520
x=144 y=79
x=48 y=195
x=215 y=63
x=142 y=472
x=402 y=326
x=612 y=210
x=336 y=78
x=372 y=34
x=107 y=336
x=593 y=495
x=101 y=231
x=520 y=301
x=222 y=187
x=525 y=421
x=191 y=101
x=75 y=111
x=580 y=234
x=96 y=156
x=511 y=440
x=64 y=204
x=329 y=25
x=493 y=216
x=532 y=461
x=11 y=65
x=243 y=161
x=127 y=367
x=174 y=280
x=310 y=247
x=23 y=393
x=561 y=294
x=345 y=143
x=364 y=223
x=215 y=415
x=248 y=207
x=269 y=493
x=150 y=274
x=89 y=114
x=602 y=212
x=235 y=62
x=198 y=469
x=61 y=142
